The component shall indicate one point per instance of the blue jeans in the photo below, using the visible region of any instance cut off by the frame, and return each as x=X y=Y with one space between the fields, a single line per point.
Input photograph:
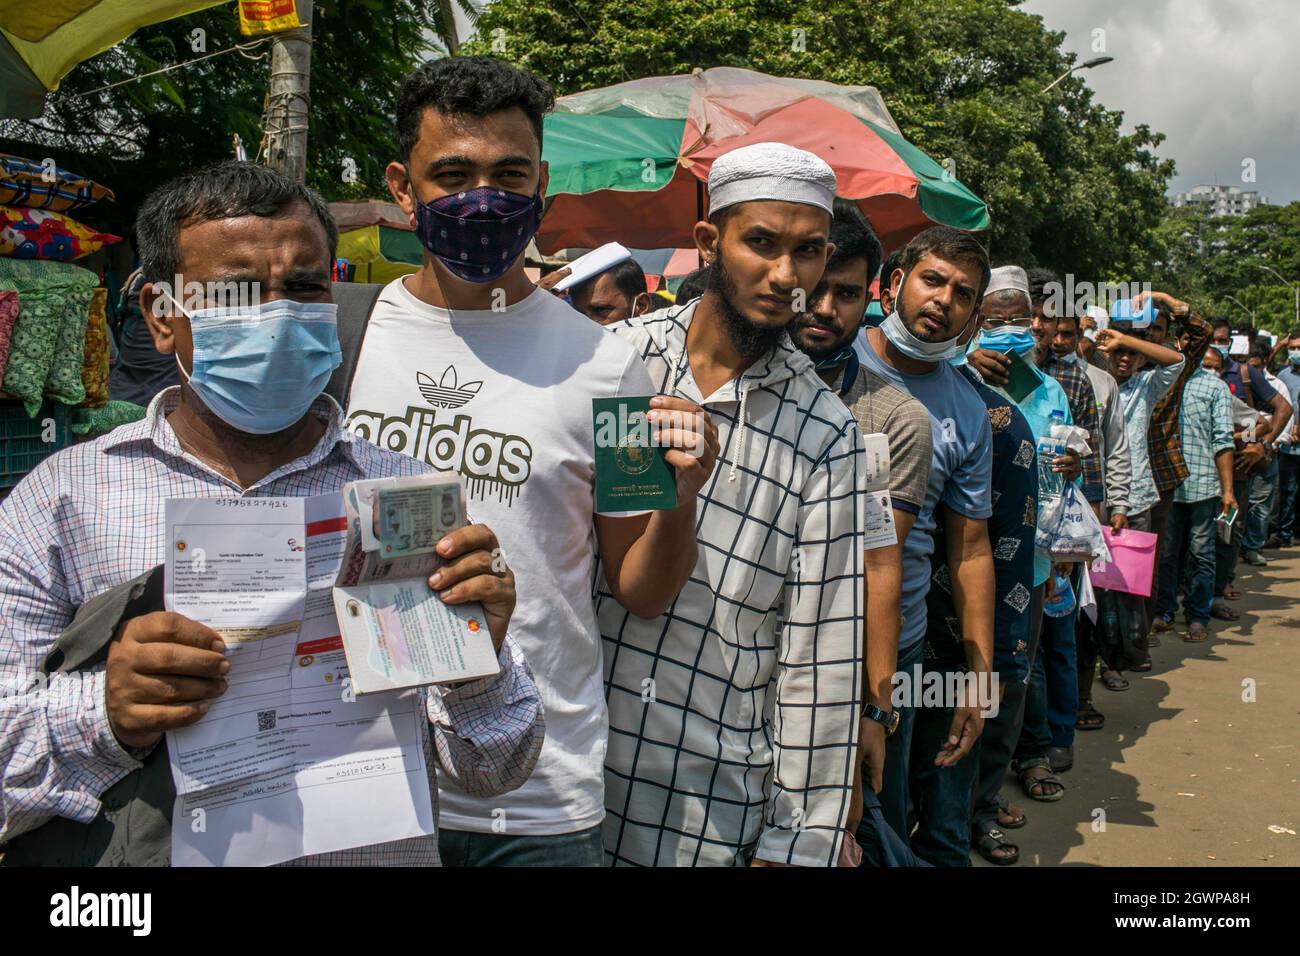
x=464 y=848
x=941 y=796
x=1052 y=700
x=1060 y=676
x=895 y=782
x=1227 y=553
x=1263 y=489
x=1035 y=733
x=1288 y=489
x=1189 y=540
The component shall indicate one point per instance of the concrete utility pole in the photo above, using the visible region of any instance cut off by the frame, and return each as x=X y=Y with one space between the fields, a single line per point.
x=288 y=98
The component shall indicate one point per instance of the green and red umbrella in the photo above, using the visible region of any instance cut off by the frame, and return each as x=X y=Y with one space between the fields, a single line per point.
x=628 y=163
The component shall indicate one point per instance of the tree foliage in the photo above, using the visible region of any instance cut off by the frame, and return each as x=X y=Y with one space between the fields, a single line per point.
x=1212 y=260
x=139 y=134
x=963 y=78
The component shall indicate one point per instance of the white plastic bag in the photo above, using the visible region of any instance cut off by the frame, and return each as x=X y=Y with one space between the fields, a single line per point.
x=1068 y=531
x=1074 y=438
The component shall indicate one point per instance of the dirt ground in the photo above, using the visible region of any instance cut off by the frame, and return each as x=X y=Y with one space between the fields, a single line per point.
x=1186 y=772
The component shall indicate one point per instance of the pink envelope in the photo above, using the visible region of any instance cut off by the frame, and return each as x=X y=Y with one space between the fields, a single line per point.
x=1132 y=565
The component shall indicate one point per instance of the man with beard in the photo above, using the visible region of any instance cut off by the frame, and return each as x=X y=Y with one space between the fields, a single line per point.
x=733 y=717
x=936 y=293
x=892 y=422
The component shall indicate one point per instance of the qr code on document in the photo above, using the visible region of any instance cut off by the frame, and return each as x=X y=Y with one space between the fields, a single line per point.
x=265 y=720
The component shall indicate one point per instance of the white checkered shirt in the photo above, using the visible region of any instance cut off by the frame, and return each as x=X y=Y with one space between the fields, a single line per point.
x=90 y=518
x=733 y=717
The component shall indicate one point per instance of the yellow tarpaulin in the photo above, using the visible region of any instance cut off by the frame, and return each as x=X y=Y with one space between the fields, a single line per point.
x=361 y=248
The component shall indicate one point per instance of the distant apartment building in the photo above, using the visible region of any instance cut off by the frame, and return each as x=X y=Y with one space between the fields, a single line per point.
x=1220 y=200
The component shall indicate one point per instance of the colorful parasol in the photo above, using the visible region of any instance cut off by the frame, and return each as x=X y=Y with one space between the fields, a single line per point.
x=377 y=238
x=628 y=162
x=42 y=40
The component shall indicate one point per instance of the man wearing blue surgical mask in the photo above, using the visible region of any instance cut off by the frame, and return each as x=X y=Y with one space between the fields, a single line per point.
x=85 y=777
x=1008 y=317
x=470 y=367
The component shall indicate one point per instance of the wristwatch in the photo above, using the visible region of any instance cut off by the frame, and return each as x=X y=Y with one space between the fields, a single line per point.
x=887 y=720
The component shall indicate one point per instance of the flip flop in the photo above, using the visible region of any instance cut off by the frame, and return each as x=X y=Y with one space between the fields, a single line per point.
x=1196 y=634
x=1004 y=806
x=1028 y=782
x=1089 y=719
x=1112 y=681
x=1222 y=612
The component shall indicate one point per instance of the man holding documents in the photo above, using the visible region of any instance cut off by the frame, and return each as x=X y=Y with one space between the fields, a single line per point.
x=468 y=366
x=98 y=672
x=734 y=715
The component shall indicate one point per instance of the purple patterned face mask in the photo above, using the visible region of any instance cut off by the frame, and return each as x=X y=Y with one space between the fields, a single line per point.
x=478 y=234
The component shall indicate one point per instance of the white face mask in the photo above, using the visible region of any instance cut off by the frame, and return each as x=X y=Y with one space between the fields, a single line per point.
x=902 y=339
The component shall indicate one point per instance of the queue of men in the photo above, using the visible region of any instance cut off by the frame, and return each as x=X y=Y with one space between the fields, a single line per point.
x=732 y=681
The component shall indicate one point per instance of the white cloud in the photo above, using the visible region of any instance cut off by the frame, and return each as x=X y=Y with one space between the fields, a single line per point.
x=1218 y=77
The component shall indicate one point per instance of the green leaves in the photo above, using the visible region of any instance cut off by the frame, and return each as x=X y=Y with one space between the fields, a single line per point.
x=962 y=78
x=142 y=133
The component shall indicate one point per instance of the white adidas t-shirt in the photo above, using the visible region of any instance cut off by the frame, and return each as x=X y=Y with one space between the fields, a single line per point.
x=505 y=398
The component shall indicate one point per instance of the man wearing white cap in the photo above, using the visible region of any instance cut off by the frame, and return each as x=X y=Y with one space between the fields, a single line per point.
x=734 y=715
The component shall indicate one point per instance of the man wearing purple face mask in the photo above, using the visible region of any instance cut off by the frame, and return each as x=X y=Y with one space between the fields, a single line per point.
x=468 y=366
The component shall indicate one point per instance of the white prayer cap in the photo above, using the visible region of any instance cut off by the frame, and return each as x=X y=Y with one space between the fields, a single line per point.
x=1008 y=279
x=770 y=171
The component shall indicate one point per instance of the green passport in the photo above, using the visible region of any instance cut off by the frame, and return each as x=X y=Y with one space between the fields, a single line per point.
x=1022 y=380
x=632 y=473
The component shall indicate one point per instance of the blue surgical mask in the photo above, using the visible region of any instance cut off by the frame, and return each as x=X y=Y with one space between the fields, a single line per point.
x=1008 y=338
x=260 y=368
x=1293 y=356
x=1222 y=350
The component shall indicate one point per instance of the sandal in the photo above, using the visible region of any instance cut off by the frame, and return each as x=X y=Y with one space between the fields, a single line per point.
x=991 y=841
x=1089 y=718
x=1112 y=681
x=1143 y=668
x=1196 y=634
x=1159 y=626
x=1031 y=781
x=1224 y=613
x=1011 y=821
x=1152 y=640
x=1231 y=593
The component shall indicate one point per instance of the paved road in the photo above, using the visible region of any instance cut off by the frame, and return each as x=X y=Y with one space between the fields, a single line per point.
x=1187 y=772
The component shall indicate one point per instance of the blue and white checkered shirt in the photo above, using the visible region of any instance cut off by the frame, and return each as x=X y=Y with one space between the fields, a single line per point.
x=1139 y=393
x=1206 y=431
x=91 y=518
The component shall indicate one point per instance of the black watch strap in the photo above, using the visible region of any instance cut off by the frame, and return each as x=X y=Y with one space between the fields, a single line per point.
x=888 y=720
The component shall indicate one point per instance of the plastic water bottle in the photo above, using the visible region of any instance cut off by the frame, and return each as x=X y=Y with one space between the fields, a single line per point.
x=1050 y=483
x=1062 y=601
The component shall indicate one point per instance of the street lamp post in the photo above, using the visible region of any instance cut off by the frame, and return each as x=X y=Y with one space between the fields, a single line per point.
x=1246 y=310
x=1295 y=288
x=1086 y=65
